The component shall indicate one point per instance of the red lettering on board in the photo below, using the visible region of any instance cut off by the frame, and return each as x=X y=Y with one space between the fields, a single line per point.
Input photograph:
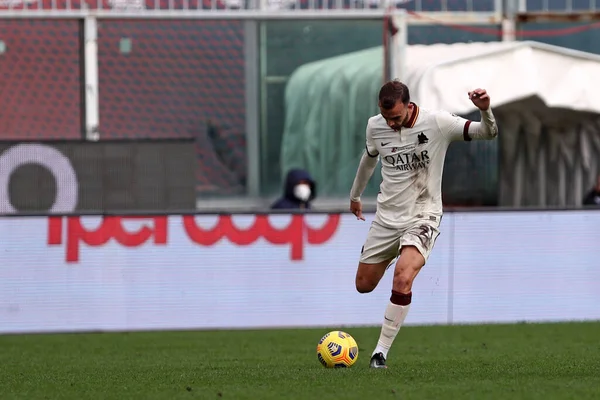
x=296 y=234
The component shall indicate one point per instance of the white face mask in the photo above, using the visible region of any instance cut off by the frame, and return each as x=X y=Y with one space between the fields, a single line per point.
x=302 y=192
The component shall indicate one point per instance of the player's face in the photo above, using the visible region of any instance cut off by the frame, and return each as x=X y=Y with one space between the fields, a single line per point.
x=397 y=116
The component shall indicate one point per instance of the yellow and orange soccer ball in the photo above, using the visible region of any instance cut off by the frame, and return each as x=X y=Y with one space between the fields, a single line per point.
x=337 y=349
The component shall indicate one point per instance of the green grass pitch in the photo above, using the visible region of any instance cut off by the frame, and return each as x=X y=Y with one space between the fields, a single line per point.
x=521 y=361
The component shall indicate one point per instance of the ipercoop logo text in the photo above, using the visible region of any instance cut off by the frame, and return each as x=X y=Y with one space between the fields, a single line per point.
x=297 y=233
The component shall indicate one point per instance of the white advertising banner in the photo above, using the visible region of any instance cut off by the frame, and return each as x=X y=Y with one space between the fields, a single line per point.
x=245 y=271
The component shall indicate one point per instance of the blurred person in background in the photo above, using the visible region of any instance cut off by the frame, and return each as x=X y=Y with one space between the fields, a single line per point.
x=593 y=196
x=298 y=191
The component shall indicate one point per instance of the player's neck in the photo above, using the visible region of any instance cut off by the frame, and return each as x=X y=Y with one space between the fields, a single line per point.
x=411 y=115
x=409 y=118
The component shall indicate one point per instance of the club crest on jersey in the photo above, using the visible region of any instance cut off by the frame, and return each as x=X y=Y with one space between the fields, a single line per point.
x=422 y=138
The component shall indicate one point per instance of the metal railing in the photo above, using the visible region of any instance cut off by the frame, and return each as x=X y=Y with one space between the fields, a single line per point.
x=444 y=6
x=471 y=11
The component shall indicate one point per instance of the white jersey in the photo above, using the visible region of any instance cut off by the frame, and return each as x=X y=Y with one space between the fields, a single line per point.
x=412 y=162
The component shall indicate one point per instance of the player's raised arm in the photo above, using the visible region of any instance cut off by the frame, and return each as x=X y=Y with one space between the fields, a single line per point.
x=367 y=165
x=458 y=128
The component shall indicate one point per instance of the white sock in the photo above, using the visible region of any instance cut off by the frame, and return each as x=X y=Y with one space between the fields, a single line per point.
x=392 y=321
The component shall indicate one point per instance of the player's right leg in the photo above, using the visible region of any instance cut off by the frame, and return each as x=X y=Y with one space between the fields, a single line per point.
x=380 y=249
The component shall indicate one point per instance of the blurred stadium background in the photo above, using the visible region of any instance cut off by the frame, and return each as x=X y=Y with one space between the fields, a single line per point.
x=220 y=81
x=130 y=130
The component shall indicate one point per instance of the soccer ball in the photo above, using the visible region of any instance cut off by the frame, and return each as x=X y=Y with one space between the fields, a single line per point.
x=337 y=349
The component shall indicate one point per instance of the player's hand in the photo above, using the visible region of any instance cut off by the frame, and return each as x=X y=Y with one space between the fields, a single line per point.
x=480 y=98
x=356 y=209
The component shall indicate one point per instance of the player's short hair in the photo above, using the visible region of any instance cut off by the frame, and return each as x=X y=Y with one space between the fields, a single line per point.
x=391 y=93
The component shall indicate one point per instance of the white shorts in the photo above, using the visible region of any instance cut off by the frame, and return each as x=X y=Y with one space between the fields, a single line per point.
x=384 y=244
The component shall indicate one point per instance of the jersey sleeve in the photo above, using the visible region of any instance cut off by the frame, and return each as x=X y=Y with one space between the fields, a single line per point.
x=452 y=126
x=370 y=142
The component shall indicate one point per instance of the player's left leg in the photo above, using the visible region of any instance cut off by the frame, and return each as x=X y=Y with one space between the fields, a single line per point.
x=416 y=245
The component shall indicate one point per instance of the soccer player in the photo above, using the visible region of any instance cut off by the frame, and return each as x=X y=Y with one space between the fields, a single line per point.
x=411 y=143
